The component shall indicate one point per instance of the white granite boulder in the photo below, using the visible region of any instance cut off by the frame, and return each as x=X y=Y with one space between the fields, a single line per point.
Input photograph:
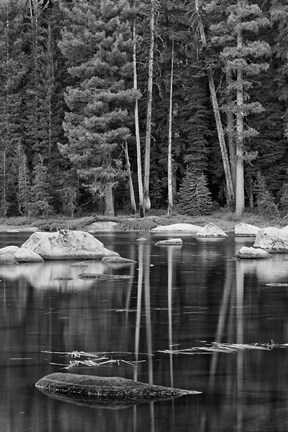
x=211 y=230
x=272 y=239
x=170 y=242
x=245 y=230
x=27 y=255
x=65 y=244
x=14 y=254
x=7 y=255
x=252 y=253
x=181 y=227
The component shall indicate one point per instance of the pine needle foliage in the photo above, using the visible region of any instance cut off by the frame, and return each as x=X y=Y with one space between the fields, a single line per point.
x=265 y=200
x=194 y=195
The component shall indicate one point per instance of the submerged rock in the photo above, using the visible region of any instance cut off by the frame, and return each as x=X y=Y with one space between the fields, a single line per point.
x=252 y=253
x=170 y=242
x=272 y=239
x=65 y=244
x=245 y=230
x=211 y=230
x=104 y=390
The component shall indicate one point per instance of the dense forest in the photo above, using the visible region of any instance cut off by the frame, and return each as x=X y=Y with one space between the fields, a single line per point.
x=125 y=105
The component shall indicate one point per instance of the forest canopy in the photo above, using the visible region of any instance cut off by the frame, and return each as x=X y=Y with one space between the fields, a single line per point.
x=121 y=105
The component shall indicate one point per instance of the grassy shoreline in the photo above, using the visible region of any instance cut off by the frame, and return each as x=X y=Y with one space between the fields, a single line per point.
x=222 y=218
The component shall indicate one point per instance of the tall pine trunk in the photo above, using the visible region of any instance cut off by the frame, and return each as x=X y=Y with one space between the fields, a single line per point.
x=137 y=129
x=230 y=132
x=146 y=198
x=131 y=188
x=169 y=162
x=219 y=126
x=240 y=203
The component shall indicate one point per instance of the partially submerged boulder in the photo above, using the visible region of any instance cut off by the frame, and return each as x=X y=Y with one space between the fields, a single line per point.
x=272 y=239
x=11 y=255
x=117 y=260
x=245 y=230
x=211 y=230
x=65 y=244
x=182 y=227
x=170 y=242
x=105 y=390
x=252 y=253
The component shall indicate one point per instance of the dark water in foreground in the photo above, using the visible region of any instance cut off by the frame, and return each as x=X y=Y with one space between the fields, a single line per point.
x=176 y=296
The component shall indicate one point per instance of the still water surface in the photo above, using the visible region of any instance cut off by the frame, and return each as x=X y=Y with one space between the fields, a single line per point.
x=175 y=297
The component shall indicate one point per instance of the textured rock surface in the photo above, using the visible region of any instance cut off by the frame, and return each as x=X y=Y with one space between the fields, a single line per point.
x=27 y=255
x=272 y=239
x=183 y=227
x=105 y=390
x=211 y=230
x=66 y=244
x=14 y=254
x=245 y=230
x=252 y=253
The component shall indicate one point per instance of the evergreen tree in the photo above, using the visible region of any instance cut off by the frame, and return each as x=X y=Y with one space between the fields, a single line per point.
x=12 y=69
x=194 y=195
x=98 y=48
x=40 y=204
x=24 y=184
x=265 y=200
x=241 y=55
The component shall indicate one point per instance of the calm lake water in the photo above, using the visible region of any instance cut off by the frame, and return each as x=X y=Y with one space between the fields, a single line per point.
x=177 y=297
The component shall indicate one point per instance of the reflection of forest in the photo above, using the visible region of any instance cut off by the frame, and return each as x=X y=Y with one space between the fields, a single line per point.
x=177 y=297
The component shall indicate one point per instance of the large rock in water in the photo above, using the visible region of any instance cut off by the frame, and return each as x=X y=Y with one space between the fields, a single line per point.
x=246 y=230
x=180 y=227
x=252 y=253
x=272 y=239
x=104 y=390
x=211 y=230
x=14 y=254
x=65 y=244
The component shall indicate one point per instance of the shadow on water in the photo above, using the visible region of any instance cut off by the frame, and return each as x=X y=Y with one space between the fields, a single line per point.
x=174 y=298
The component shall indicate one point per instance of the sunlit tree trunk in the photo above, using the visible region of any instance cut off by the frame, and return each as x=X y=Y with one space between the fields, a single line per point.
x=169 y=162
x=137 y=130
x=230 y=130
x=147 y=203
x=131 y=188
x=109 y=200
x=240 y=203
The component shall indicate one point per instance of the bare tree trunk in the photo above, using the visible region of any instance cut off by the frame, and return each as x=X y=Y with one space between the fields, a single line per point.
x=131 y=188
x=137 y=130
x=109 y=200
x=170 y=183
x=50 y=91
x=219 y=126
x=230 y=132
x=147 y=203
x=240 y=203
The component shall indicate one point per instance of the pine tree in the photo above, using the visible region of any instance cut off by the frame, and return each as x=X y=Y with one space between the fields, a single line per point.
x=265 y=200
x=98 y=47
x=40 y=204
x=12 y=70
x=241 y=55
x=24 y=184
x=194 y=195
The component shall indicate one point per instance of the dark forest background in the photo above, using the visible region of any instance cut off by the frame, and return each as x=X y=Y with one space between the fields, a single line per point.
x=67 y=104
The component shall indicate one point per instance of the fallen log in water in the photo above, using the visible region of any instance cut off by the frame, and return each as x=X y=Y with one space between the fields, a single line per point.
x=104 y=390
